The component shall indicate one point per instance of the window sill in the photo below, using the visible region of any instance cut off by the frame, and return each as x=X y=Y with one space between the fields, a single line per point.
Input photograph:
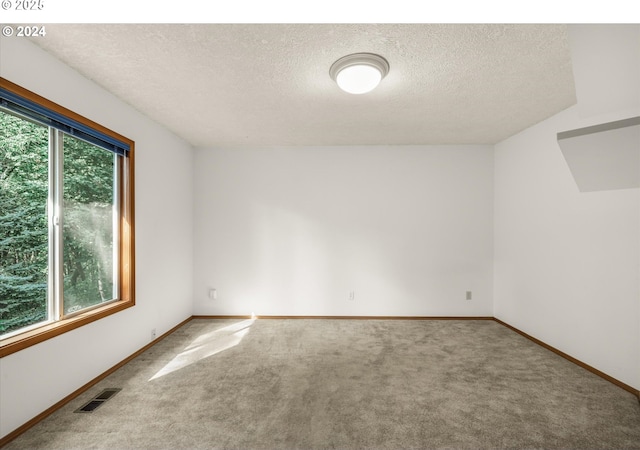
x=27 y=339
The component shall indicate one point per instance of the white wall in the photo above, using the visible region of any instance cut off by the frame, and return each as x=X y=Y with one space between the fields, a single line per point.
x=34 y=379
x=566 y=262
x=291 y=231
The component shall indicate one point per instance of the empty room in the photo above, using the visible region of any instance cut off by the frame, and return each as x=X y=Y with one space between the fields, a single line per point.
x=322 y=235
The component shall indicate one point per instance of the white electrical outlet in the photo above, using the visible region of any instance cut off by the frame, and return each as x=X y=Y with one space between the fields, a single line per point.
x=352 y=295
x=213 y=294
x=469 y=295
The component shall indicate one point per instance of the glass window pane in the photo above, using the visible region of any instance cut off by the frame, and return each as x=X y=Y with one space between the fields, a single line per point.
x=88 y=225
x=24 y=237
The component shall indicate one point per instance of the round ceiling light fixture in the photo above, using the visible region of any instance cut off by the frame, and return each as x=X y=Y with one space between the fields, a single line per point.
x=359 y=73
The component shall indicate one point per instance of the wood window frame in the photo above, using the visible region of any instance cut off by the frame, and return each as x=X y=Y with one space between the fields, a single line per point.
x=126 y=269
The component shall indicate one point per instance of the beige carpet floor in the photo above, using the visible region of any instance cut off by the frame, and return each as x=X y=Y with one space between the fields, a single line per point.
x=347 y=384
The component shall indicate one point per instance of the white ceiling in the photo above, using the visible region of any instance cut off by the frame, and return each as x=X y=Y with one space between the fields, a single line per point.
x=268 y=84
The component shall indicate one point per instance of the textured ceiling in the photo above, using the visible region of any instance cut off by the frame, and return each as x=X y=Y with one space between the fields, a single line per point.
x=269 y=84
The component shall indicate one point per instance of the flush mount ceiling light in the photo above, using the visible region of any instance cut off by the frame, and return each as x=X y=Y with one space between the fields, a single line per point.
x=360 y=72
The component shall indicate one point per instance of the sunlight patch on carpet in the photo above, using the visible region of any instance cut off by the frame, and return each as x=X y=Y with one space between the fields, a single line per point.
x=207 y=345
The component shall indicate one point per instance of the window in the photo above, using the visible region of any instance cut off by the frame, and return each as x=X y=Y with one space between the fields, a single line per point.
x=66 y=220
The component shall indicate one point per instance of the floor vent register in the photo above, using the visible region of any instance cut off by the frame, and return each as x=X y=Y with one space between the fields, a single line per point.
x=98 y=400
